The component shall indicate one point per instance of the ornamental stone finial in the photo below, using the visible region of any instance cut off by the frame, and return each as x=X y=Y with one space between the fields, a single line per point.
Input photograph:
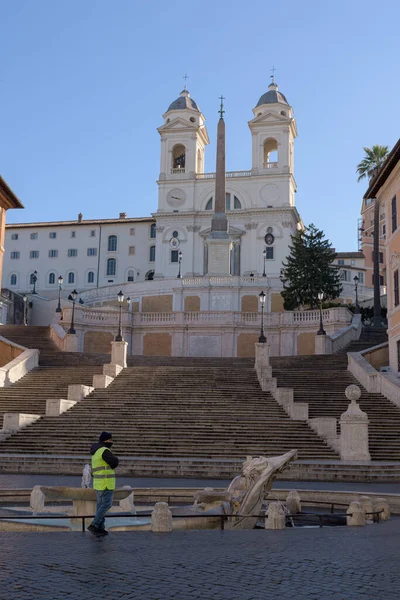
x=353 y=392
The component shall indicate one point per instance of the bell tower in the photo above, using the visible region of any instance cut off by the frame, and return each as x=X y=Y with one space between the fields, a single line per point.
x=273 y=132
x=183 y=139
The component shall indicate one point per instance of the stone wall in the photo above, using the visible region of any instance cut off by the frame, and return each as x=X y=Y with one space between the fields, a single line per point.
x=249 y=303
x=276 y=303
x=157 y=344
x=157 y=303
x=306 y=343
x=245 y=344
x=98 y=341
x=8 y=352
x=192 y=303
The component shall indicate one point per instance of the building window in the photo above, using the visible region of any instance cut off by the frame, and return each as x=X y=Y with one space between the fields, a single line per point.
x=13 y=279
x=34 y=236
x=72 y=252
x=14 y=255
x=152 y=254
x=396 y=287
x=344 y=275
x=111 y=267
x=34 y=254
x=394 y=214
x=14 y=236
x=353 y=262
x=53 y=253
x=340 y=261
x=381 y=280
x=237 y=205
x=132 y=231
x=381 y=257
x=130 y=275
x=92 y=251
x=361 y=278
x=178 y=157
x=131 y=250
x=383 y=230
x=71 y=277
x=153 y=231
x=32 y=279
x=149 y=276
x=73 y=234
x=112 y=243
x=52 y=278
x=90 y=277
x=52 y=235
x=174 y=256
x=92 y=233
x=270 y=252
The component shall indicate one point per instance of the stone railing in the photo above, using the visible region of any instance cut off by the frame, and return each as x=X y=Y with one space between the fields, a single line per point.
x=178 y=171
x=228 y=174
x=270 y=165
x=372 y=380
x=109 y=318
x=330 y=344
x=231 y=280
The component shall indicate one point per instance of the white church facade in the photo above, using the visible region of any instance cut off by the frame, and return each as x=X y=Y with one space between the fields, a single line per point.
x=193 y=271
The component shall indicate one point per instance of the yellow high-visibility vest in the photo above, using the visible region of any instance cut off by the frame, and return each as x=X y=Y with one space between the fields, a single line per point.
x=103 y=475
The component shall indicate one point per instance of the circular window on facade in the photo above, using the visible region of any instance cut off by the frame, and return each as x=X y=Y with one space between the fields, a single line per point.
x=269 y=230
x=175 y=234
x=269 y=239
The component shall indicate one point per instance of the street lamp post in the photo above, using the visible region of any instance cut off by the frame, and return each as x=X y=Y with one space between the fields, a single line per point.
x=60 y=281
x=179 y=261
x=73 y=296
x=321 y=330
x=25 y=299
x=265 y=257
x=34 y=280
x=356 y=279
x=262 y=339
x=120 y=297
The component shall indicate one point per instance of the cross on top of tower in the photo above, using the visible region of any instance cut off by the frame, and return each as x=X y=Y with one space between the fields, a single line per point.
x=221 y=108
x=185 y=77
x=273 y=74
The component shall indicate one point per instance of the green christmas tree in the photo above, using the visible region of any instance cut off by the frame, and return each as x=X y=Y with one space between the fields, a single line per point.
x=309 y=269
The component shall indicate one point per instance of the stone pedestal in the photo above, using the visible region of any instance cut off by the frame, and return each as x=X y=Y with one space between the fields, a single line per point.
x=275 y=516
x=355 y=515
x=293 y=503
x=55 y=407
x=71 y=342
x=119 y=352
x=161 y=518
x=354 y=429
x=111 y=370
x=78 y=392
x=323 y=344
x=262 y=365
x=219 y=252
x=15 y=421
x=101 y=381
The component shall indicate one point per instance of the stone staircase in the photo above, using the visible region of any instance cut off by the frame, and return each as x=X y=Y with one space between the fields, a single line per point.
x=321 y=382
x=214 y=410
x=38 y=337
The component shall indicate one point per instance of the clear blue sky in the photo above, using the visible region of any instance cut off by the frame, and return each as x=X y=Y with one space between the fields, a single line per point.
x=83 y=85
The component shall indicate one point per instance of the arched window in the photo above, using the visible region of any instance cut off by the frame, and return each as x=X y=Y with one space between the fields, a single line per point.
x=112 y=243
x=90 y=277
x=153 y=231
x=111 y=267
x=152 y=253
x=32 y=278
x=270 y=153
x=71 y=277
x=149 y=276
x=178 y=156
x=13 y=279
x=237 y=205
x=130 y=275
x=52 y=278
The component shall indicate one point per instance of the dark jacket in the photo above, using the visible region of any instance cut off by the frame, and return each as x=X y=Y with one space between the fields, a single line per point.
x=108 y=456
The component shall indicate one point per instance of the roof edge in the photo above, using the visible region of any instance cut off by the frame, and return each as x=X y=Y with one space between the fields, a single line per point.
x=381 y=177
x=8 y=195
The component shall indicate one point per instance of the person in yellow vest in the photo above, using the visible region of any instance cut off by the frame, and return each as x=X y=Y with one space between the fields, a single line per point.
x=104 y=463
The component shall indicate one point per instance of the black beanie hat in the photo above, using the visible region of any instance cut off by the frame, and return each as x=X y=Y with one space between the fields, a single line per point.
x=104 y=436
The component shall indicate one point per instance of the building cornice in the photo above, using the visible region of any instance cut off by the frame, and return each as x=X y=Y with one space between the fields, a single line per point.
x=81 y=223
x=381 y=177
x=7 y=196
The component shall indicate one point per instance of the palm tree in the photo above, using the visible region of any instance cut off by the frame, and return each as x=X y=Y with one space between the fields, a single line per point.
x=373 y=160
x=370 y=165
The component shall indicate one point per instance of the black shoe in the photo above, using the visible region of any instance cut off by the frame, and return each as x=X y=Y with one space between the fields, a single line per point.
x=94 y=530
x=102 y=532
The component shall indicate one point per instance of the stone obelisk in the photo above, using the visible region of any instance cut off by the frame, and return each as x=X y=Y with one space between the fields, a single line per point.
x=218 y=242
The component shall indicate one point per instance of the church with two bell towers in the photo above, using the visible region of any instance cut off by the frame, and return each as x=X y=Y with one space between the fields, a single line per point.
x=259 y=207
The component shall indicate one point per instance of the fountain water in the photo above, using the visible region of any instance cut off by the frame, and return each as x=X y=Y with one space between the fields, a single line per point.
x=86 y=476
x=37 y=500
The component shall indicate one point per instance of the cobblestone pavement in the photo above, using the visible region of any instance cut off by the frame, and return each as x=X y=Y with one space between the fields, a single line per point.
x=297 y=564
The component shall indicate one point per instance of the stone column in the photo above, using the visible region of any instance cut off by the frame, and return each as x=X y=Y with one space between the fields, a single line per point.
x=118 y=353
x=161 y=518
x=71 y=342
x=354 y=429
